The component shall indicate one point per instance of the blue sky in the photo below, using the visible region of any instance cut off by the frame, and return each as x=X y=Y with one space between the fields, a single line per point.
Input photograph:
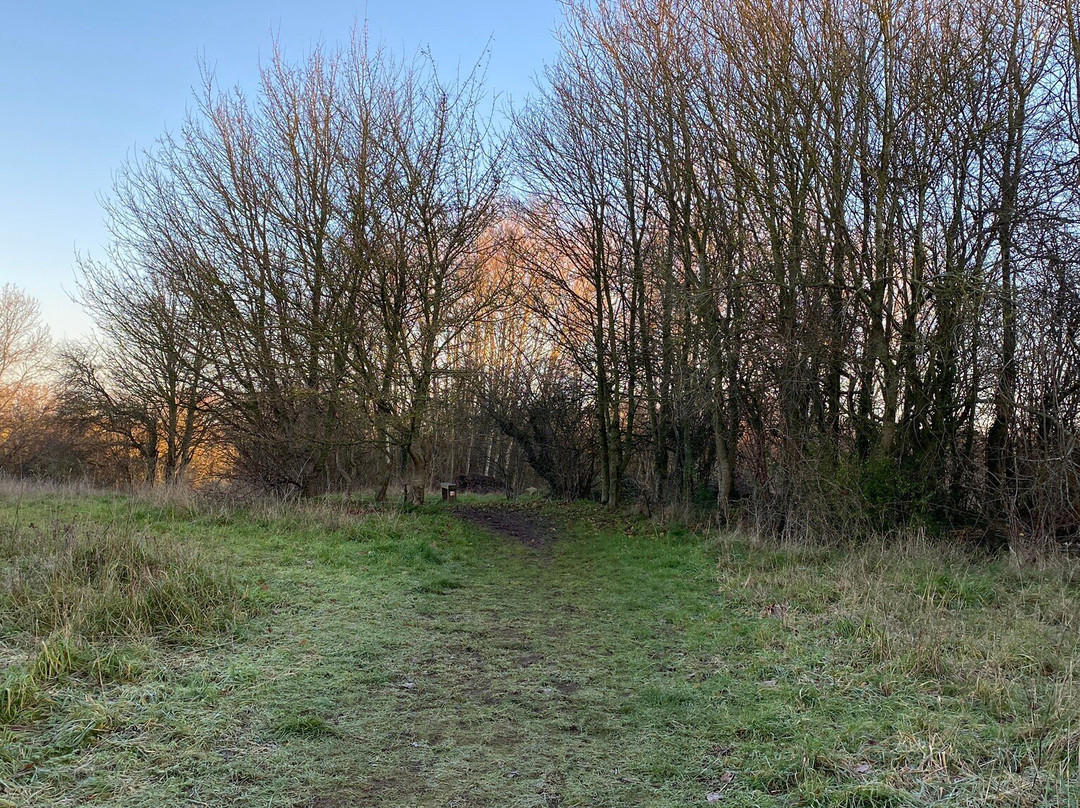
x=82 y=84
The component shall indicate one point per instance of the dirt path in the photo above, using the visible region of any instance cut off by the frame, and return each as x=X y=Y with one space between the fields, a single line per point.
x=532 y=531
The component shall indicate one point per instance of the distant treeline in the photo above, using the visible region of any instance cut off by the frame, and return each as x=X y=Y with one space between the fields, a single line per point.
x=814 y=264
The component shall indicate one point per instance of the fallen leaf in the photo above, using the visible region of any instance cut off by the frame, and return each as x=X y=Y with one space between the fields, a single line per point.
x=727 y=777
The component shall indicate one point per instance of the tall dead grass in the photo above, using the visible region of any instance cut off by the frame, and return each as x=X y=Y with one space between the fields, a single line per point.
x=84 y=600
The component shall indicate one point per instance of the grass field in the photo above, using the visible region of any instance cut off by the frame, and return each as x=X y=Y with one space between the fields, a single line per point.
x=167 y=654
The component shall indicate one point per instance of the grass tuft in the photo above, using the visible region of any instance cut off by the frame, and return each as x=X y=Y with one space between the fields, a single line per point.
x=71 y=581
x=303 y=726
x=83 y=611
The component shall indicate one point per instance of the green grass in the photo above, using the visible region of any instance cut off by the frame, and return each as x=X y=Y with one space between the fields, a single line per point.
x=406 y=659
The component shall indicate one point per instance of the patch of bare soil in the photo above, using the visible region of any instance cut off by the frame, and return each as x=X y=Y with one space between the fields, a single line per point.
x=532 y=531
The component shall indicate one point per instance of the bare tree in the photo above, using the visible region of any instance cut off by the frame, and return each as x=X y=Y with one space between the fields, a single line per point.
x=143 y=378
x=24 y=340
x=24 y=354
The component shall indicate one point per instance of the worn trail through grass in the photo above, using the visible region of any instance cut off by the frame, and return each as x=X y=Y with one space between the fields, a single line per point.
x=534 y=675
x=422 y=659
